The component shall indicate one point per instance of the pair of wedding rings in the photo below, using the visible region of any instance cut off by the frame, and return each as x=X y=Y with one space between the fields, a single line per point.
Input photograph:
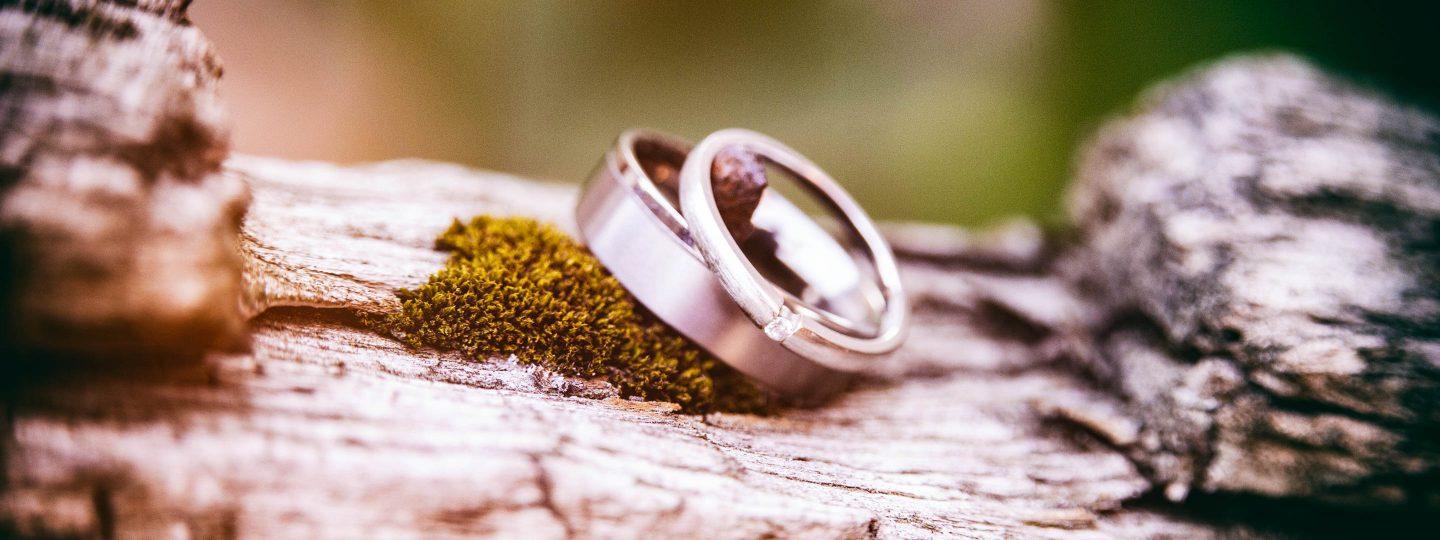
x=794 y=307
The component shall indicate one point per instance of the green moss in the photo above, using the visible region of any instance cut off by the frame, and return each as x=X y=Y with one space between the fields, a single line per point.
x=517 y=286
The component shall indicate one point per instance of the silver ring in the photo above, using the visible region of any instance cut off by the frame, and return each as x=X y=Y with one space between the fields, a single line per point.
x=798 y=330
x=633 y=226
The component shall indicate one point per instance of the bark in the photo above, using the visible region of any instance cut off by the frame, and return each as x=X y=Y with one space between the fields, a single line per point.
x=1259 y=245
x=116 y=234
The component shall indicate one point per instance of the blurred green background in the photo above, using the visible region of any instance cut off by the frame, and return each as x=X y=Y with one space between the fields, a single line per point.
x=942 y=111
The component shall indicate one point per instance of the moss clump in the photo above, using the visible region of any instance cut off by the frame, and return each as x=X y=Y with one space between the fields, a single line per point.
x=517 y=286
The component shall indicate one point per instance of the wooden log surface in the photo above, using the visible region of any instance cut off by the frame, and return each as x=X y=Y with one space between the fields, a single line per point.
x=117 y=234
x=325 y=429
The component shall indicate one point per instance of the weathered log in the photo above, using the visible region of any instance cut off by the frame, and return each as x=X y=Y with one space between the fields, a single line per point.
x=117 y=235
x=1259 y=249
x=327 y=429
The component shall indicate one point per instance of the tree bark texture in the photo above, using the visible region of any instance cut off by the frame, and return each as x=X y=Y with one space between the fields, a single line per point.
x=117 y=234
x=1259 y=249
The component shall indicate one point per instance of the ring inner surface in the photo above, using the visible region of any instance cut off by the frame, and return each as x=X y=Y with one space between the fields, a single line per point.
x=818 y=273
x=661 y=163
x=842 y=268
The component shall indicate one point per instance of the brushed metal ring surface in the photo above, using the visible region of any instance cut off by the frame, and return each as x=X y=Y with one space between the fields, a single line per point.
x=798 y=331
x=635 y=229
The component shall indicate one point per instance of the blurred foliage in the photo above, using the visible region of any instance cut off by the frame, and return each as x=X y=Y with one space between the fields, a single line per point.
x=928 y=110
x=1119 y=47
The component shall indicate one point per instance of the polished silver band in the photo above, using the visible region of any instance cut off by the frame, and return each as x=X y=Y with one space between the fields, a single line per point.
x=797 y=329
x=634 y=227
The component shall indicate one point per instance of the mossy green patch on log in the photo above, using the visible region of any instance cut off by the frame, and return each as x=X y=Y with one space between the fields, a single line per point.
x=515 y=286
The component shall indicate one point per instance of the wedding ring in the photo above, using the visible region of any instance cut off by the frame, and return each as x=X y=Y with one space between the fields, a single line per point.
x=798 y=329
x=633 y=225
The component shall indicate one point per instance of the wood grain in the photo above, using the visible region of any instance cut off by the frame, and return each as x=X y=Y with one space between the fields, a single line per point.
x=325 y=429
